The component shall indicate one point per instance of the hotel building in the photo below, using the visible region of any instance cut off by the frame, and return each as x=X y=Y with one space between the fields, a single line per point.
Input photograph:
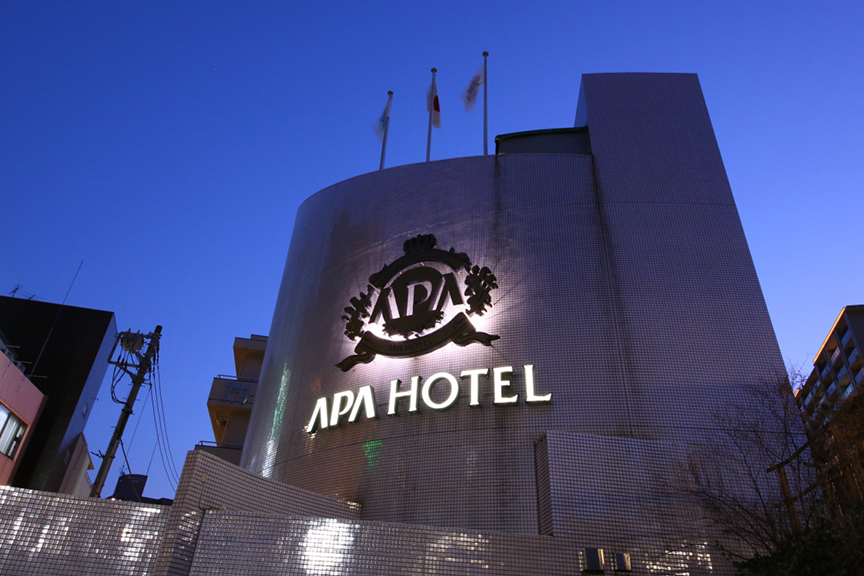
x=502 y=364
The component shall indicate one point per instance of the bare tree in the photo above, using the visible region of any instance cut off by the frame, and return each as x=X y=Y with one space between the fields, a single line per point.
x=753 y=503
x=785 y=503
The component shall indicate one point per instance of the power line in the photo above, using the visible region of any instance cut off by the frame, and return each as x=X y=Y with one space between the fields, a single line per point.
x=162 y=437
x=140 y=415
x=131 y=343
x=162 y=455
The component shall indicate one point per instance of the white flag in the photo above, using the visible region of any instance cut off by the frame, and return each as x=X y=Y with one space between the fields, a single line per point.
x=470 y=94
x=432 y=105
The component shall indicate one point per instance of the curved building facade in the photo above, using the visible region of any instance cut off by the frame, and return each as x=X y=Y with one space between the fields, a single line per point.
x=531 y=342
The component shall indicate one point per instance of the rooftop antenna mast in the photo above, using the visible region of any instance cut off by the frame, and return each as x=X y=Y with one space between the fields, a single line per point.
x=131 y=342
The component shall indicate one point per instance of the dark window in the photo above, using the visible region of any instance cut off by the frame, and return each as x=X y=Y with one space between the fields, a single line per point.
x=593 y=560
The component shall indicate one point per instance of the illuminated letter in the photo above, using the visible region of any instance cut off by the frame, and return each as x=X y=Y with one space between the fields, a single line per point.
x=319 y=416
x=475 y=383
x=529 y=386
x=395 y=393
x=449 y=288
x=366 y=398
x=337 y=410
x=499 y=383
x=382 y=307
x=427 y=388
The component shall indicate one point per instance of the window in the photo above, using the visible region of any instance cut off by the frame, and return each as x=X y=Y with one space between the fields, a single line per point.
x=11 y=431
x=622 y=562
x=593 y=560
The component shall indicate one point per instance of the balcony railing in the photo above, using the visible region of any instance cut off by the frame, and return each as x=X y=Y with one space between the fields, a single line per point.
x=11 y=356
x=212 y=444
x=835 y=355
x=233 y=390
x=842 y=374
x=236 y=378
x=846 y=337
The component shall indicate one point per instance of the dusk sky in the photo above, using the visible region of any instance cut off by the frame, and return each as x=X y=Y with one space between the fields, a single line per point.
x=168 y=145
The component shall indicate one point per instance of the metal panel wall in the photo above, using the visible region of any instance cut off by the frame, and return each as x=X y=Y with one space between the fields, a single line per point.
x=43 y=533
x=624 y=279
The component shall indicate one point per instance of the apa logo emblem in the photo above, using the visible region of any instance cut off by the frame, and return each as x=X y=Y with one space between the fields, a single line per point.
x=415 y=305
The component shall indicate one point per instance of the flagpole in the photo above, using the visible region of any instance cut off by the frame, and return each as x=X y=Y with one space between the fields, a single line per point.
x=386 y=128
x=485 y=118
x=429 y=133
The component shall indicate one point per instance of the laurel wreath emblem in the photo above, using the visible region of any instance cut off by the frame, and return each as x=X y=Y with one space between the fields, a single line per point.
x=478 y=286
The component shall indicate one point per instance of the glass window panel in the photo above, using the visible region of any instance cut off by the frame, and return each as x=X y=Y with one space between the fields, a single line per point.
x=4 y=414
x=11 y=431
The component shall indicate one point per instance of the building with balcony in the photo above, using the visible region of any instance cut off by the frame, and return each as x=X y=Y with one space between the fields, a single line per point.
x=231 y=399
x=831 y=407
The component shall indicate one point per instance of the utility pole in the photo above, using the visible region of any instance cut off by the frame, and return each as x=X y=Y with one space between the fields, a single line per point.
x=132 y=343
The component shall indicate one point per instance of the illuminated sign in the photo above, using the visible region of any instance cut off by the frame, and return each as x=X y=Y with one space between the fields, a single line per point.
x=328 y=414
x=415 y=305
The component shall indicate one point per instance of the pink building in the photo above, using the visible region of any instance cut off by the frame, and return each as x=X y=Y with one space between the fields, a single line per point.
x=20 y=405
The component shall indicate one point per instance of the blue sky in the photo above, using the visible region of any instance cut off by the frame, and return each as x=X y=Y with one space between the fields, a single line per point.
x=169 y=144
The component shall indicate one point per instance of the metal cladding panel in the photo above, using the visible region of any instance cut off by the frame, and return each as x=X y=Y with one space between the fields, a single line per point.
x=534 y=223
x=623 y=278
x=685 y=287
x=652 y=139
x=264 y=546
x=45 y=533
